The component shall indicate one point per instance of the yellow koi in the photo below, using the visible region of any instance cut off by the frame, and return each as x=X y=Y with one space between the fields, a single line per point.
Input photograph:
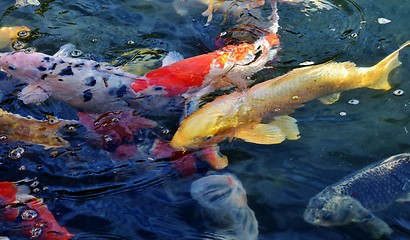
x=8 y=35
x=14 y=127
x=260 y=114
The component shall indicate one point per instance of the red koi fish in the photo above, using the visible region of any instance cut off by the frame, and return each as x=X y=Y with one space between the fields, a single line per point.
x=116 y=131
x=229 y=66
x=119 y=133
x=32 y=215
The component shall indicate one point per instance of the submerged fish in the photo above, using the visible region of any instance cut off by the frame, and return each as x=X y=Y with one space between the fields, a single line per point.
x=118 y=132
x=199 y=75
x=14 y=127
x=29 y=214
x=22 y=3
x=353 y=199
x=224 y=204
x=259 y=115
x=84 y=84
x=8 y=35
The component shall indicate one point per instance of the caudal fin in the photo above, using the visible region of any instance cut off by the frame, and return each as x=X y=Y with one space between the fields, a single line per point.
x=381 y=71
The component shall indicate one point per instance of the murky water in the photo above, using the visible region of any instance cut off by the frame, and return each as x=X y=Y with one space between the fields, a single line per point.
x=97 y=198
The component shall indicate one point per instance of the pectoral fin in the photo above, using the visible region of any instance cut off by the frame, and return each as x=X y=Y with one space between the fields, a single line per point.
x=261 y=134
x=33 y=94
x=288 y=125
x=329 y=99
x=281 y=128
x=65 y=50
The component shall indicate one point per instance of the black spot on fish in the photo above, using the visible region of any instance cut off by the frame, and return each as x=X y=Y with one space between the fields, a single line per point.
x=41 y=68
x=66 y=71
x=90 y=81
x=47 y=59
x=43 y=76
x=121 y=91
x=97 y=65
x=79 y=65
x=158 y=88
x=62 y=61
x=60 y=79
x=12 y=67
x=87 y=95
x=53 y=67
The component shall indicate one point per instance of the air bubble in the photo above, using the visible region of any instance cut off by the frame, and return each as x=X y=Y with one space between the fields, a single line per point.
x=16 y=153
x=398 y=92
x=17 y=45
x=3 y=137
x=22 y=168
x=36 y=232
x=76 y=53
x=165 y=131
x=94 y=40
x=34 y=184
x=223 y=34
x=130 y=42
x=23 y=34
x=295 y=98
x=342 y=114
x=29 y=214
x=108 y=138
x=353 y=102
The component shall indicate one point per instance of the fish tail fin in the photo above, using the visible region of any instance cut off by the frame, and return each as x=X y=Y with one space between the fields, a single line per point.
x=383 y=69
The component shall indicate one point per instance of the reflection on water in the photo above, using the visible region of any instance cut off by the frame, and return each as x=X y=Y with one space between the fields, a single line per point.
x=97 y=198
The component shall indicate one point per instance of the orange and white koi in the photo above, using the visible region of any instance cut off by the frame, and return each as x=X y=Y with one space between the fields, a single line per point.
x=31 y=214
x=229 y=66
x=259 y=115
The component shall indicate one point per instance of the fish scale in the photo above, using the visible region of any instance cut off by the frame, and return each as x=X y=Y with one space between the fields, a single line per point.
x=371 y=185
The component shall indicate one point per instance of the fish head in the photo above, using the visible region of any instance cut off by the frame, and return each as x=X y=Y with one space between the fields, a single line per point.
x=246 y=54
x=207 y=126
x=331 y=209
x=25 y=65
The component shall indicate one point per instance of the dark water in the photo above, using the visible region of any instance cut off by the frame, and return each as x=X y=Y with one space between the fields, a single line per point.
x=96 y=198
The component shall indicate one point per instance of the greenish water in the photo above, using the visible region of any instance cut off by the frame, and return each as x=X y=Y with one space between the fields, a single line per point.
x=96 y=198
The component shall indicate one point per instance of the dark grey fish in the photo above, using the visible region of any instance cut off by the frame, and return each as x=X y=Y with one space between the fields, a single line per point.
x=354 y=198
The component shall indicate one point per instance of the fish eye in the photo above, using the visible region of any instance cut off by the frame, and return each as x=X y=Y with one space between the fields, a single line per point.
x=207 y=138
x=52 y=121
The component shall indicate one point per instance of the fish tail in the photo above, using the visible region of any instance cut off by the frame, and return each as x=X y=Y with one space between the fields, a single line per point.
x=381 y=71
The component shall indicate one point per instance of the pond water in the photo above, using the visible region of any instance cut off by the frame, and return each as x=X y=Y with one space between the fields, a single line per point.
x=97 y=198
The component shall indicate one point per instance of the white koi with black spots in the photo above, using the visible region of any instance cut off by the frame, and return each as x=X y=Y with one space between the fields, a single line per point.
x=84 y=84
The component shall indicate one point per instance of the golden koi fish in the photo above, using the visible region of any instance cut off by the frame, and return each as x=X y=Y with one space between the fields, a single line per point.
x=14 y=127
x=259 y=115
x=8 y=35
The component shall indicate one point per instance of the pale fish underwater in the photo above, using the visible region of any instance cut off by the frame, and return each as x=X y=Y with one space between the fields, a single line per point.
x=260 y=114
x=14 y=127
x=237 y=7
x=353 y=199
x=84 y=84
x=224 y=204
x=9 y=35
x=22 y=3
